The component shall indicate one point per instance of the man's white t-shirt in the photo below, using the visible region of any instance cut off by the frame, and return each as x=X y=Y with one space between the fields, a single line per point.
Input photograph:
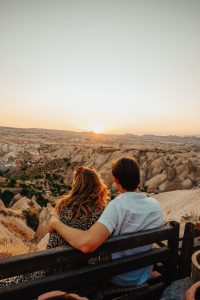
x=128 y=213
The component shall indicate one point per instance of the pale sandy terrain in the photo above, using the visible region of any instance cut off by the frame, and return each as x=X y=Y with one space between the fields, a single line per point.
x=181 y=206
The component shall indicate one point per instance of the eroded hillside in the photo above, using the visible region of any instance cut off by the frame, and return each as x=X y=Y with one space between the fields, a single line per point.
x=36 y=169
x=167 y=163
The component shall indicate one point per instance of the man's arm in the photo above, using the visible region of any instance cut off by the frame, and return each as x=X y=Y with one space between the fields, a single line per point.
x=83 y=240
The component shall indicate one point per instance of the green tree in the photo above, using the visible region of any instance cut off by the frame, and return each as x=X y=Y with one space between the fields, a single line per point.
x=6 y=197
x=31 y=220
x=24 y=177
x=38 y=176
x=41 y=201
x=26 y=192
x=12 y=182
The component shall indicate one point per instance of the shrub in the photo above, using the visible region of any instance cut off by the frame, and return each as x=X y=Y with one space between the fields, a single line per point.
x=143 y=189
x=24 y=177
x=6 y=197
x=49 y=176
x=38 y=176
x=56 y=176
x=41 y=201
x=12 y=182
x=31 y=220
x=23 y=185
x=26 y=192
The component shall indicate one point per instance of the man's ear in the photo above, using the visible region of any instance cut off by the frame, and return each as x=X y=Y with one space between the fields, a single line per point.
x=116 y=180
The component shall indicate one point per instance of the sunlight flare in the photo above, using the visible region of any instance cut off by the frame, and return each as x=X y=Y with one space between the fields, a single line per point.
x=97 y=128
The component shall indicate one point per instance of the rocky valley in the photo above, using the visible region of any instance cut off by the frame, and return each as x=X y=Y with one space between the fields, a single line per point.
x=36 y=168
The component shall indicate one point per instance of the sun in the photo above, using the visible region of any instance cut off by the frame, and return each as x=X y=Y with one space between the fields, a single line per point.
x=97 y=128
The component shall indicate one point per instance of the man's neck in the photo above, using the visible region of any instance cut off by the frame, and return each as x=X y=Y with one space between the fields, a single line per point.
x=121 y=190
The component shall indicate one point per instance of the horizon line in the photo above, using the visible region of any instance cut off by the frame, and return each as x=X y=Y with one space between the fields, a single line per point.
x=104 y=132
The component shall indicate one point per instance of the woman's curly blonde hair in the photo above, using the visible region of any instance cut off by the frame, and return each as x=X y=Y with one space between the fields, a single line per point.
x=88 y=189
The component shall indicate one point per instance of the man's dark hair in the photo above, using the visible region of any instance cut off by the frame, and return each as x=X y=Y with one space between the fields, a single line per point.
x=127 y=172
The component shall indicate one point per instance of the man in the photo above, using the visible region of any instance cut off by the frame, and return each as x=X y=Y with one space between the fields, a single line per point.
x=131 y=211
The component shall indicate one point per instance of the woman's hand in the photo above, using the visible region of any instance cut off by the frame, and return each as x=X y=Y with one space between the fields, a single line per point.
x=44 y=221
x=53 y=220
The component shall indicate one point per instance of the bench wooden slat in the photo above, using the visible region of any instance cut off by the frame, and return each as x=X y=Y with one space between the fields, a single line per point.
x=85 y=275
x=173 y=243
x=22 y=264
x=152 y=293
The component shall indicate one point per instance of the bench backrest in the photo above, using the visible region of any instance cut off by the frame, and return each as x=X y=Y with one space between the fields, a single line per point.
x=188 y=247
x=91 y=274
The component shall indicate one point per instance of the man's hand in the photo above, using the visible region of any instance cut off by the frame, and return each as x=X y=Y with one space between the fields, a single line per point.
x=76 y=297
x=60 y=295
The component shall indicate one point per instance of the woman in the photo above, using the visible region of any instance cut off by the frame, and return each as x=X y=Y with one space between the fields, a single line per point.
x=83 y=205
x=80 y=208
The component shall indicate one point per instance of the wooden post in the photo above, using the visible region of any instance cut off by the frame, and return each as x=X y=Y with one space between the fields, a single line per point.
x=186 y=251
x=173 y=243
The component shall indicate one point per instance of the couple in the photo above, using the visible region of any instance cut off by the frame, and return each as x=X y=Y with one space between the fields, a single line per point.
x=85 y=220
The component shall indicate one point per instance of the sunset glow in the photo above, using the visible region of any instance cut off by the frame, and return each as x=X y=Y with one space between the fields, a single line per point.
x=117 y=66
x=97 y=128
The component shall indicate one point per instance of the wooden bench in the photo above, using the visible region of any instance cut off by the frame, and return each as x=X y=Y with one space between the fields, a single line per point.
x=164 y=255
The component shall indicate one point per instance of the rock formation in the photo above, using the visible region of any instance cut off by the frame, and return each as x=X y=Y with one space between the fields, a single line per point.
x=15 y=235
x=36 y=165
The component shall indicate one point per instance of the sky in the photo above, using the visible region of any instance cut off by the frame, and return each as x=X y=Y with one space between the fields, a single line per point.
x=121 y=66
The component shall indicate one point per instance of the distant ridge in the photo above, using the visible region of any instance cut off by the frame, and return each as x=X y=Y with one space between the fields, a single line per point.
x=172 y=138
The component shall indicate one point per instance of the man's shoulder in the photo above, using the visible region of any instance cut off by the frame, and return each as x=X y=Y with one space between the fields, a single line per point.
x=113 y=206
x=116 y=199
x=142 y=201
x=153 y=200
x=153 y=203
